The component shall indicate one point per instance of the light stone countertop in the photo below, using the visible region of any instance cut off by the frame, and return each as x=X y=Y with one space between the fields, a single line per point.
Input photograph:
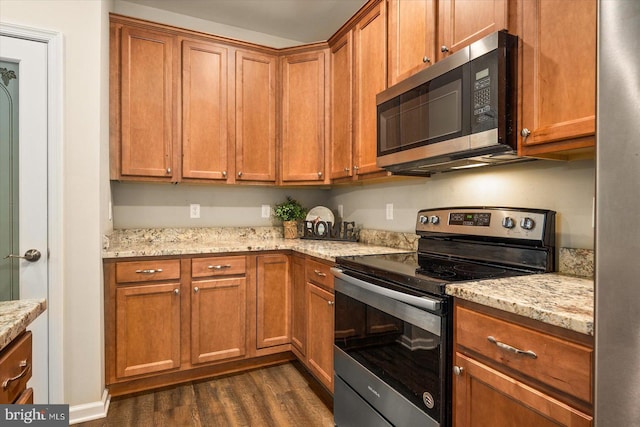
x=327 y=250
x=16 y=315
x=556 y=299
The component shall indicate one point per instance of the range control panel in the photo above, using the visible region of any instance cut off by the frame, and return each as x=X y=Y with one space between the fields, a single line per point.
x=529 y=224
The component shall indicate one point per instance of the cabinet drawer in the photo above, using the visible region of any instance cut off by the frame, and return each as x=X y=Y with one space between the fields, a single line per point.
x=319 y=273
x=561 y=364
x=218 y=266
x=15 y=368
x=145 y=271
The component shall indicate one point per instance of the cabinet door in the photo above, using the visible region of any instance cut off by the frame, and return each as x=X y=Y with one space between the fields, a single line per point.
x=147 y=329
x=303 y=118
x=299 y=300
x=342 y=107
x=320 y=333
x=462 y=22
x=370 y=78
x=255 y=117
x=273 y=300
x=147 y=103
x=412 y=34
x=486 y=397
x=558 y=74
x=218 y=320
x=204 y=110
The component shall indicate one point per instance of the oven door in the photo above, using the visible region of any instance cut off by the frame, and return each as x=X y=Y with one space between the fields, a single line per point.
x=390 y=352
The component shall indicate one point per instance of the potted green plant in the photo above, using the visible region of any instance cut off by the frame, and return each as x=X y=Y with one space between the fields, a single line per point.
x=289 y=212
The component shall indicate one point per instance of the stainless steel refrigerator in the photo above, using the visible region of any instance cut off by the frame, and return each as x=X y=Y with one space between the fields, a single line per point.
x=617 y=235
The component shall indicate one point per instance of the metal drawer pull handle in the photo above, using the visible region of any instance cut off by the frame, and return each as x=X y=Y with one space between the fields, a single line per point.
x=320 y=273
x=330 y=302
x=150 y=271
x=218 y=267
x=511 y=349
x=25 y=368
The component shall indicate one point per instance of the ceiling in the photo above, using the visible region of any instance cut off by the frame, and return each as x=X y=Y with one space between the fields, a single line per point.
x=305 y=21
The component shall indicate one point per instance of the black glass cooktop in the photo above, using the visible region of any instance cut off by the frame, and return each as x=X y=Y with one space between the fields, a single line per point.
x=423 y=273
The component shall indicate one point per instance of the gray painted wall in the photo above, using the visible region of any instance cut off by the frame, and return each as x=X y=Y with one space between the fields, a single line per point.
x=566 y=187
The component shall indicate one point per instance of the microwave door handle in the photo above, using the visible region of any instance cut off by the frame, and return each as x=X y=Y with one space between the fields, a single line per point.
x=422 y=302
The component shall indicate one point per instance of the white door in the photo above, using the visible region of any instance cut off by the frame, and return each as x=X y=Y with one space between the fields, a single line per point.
x=31 y=78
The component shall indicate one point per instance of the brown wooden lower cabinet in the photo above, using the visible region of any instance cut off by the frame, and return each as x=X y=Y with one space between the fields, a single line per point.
x=148 y=328
x=550 y=383
x=273 y=300
x=320 y=309
x=16 y=370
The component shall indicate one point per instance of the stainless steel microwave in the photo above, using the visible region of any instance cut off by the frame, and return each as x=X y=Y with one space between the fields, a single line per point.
x=458 y=113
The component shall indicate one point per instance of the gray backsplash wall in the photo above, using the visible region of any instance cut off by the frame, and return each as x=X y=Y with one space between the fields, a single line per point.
x=566 y=187
x=142 y=205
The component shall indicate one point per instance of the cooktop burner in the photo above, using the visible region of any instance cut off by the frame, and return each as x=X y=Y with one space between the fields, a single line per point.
x=420 y=272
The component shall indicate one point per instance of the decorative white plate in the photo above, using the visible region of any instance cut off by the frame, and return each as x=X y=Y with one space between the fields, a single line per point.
x=320 y=213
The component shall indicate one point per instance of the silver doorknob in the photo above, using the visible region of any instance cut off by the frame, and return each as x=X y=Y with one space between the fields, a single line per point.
x=458 y=370
x=32 y=255
x=525 y=132
x=444 y=49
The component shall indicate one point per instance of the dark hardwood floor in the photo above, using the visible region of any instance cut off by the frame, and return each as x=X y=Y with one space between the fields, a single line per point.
x=282 y=395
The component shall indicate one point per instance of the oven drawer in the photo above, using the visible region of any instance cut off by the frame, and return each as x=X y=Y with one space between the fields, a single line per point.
x=556 y=362
x=319 y=274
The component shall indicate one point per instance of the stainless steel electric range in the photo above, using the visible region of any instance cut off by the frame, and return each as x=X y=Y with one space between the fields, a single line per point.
x=393 y=322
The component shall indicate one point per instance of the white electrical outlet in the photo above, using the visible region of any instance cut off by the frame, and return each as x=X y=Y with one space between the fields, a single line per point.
x=194 y=210
x=389 y=210
x=340 y=211
x=266 y=211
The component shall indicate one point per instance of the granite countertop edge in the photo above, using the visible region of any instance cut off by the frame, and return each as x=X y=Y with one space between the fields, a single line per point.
x=16 y=316
x=552 y=298
x=323 y=249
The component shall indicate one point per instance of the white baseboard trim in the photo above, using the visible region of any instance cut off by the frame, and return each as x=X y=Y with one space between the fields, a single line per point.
x=90 y=411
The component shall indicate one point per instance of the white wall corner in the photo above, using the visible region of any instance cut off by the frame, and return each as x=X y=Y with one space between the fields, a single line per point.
x=90 y=411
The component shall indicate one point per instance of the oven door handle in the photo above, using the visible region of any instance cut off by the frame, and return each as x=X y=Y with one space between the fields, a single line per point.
x=422 y=302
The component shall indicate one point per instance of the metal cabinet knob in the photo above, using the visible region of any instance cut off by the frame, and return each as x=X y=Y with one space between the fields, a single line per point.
x=196 y=289
x=168 y=170
x=240 y=173
x=319 y=174
x=458 y=370
x=224 y=174
x=330 y=302
x=176 y=291
x=426 y=59
x=444 y=49
x=525 y=132
x=347 y=170
x=32 y=255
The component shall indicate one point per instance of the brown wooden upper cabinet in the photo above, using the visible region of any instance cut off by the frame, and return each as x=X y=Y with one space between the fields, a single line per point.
x=304 y=117
x=558 y=77
x=205 y=100
x=359 y=72
x=411 y=37
x=255 y=116
x=143 y=65
x=462 y=22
